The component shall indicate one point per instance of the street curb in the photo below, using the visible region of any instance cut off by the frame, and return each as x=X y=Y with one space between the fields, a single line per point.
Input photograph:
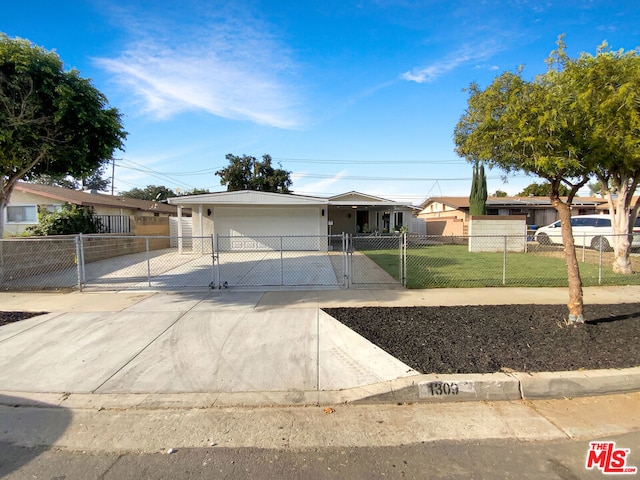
x=506 y=386
x=578 y=383
x=415 y=389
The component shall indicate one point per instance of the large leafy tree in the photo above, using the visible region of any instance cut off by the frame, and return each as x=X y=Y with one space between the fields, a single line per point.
x=94 y=181
x=150 y=192
x=541 y=190
x=249 y=173
x=520 y=125
x=607 y=95
x=52 y=121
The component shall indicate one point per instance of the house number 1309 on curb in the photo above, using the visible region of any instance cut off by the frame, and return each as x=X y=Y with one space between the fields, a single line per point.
x=442 y=388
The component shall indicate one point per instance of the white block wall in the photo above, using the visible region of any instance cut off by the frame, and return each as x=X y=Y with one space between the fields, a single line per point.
x=487 y=233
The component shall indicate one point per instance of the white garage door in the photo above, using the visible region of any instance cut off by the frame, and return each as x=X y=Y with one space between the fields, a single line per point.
x=267 y=228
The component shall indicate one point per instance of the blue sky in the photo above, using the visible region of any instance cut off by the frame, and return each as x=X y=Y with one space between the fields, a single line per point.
x=359 y=95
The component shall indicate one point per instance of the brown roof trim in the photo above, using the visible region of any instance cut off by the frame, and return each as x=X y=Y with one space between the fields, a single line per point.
x=93 y=199
x=463 y=202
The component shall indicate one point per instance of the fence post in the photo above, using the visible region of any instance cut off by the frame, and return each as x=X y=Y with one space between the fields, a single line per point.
x=349 y=257
x=600 y=262
x=148 y=262
x=344 y=262
x=404 y=277
x=218 y=269
x=213 y=262
x=400 y=257
x=78 y=267
x=504 y=262
x=281 y=264
x=82 y=261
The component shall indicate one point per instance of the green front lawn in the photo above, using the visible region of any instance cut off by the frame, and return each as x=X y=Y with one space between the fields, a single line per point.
x=442 y=266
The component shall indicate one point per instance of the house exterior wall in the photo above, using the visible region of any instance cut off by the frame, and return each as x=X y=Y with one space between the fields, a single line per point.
x=150 y=226
x=449 y=226
x=443 y=219
x=28 y=200
x=344 y=220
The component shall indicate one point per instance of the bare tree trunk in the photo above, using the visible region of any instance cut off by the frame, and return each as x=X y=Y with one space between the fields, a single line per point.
x=619 y=209
x=621 y=241
x=3 y=204
x=576 y=297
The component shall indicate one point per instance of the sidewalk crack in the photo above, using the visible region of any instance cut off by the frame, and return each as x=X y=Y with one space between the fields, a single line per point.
x=143 y=349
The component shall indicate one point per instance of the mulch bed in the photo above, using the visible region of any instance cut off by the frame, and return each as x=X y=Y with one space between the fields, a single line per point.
x=10 y=317
x=493 y=338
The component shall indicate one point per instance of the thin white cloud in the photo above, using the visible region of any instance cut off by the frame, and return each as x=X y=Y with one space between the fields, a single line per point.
x=315 y=188
x=441 y=67
x=225 y=68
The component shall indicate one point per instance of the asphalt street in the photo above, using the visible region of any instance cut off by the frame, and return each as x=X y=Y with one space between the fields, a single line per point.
x=487 y=459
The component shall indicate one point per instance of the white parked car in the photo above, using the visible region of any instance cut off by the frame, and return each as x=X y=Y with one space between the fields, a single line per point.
x=593 y=231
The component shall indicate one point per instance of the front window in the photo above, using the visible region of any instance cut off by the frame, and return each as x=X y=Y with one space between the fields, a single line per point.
x=22 y=214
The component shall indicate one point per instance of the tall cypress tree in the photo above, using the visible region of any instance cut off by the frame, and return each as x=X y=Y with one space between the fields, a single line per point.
x=478 y=195
x=482 y=194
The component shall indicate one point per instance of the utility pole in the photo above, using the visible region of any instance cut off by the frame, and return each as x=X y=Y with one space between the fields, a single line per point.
x=113 y=174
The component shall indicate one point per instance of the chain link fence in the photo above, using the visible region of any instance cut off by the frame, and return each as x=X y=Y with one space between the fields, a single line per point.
x=337 y=261
x=39 y=263
x=492 y=261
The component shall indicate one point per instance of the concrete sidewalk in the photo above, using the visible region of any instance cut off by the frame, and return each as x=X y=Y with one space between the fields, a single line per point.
x=233 y=347
x=115 y=301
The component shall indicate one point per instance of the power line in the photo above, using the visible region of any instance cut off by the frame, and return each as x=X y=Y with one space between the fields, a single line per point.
x=370 y=162
x=394 y=179
x=154 y=173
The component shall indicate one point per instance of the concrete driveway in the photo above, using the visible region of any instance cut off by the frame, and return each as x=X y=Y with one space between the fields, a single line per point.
x=190 y=342
x=169 y=269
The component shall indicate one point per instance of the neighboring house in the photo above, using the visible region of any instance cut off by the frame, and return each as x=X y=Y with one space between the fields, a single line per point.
x=249 y=213
x=115 y=212
x=450 y=215
x=604 y=206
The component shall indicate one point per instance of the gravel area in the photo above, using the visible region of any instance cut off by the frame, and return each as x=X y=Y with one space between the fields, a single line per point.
x=10 y=317
x=487 y=339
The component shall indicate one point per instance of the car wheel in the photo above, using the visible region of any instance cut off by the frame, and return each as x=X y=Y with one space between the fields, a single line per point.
x=543 y=239
x=600 y=244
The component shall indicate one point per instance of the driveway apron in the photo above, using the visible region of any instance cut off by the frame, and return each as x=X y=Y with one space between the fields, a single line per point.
x=191 y=342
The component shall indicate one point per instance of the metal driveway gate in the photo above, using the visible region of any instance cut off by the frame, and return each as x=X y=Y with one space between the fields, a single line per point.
x=376 y=260
x=128 y=262
x=262 y=261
